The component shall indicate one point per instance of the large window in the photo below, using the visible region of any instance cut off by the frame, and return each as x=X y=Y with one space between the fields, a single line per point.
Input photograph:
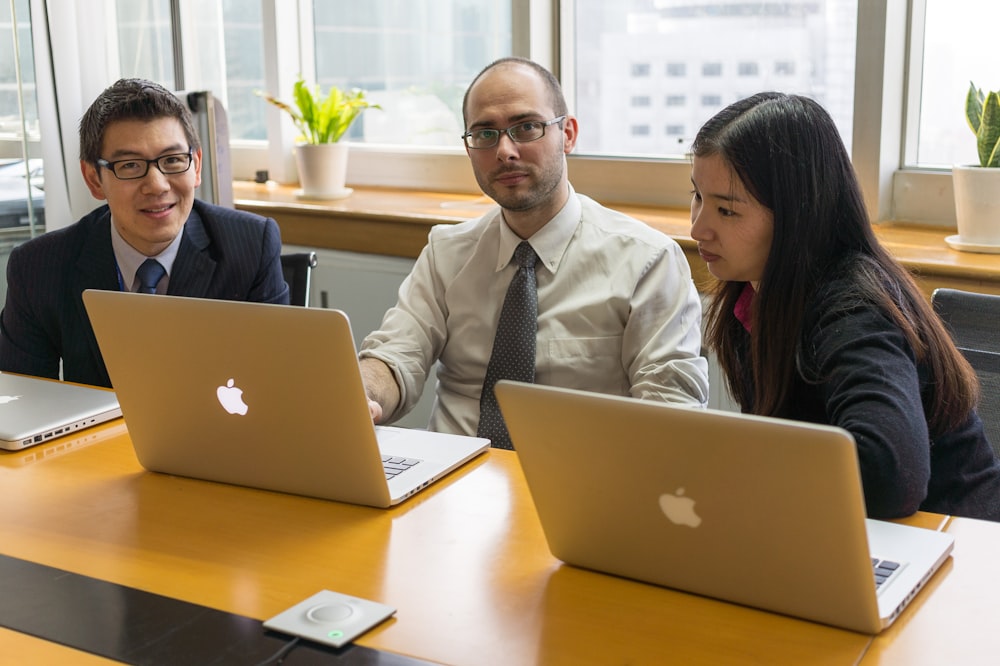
x=22 y=195
x=415 y=57
x=244 y=71
x=804 y=47
x=959 y=47
x=893 y=74
x=145 y=46
x=18 y=109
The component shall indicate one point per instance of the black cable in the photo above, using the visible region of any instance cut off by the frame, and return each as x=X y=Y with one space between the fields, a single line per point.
x=280 y=654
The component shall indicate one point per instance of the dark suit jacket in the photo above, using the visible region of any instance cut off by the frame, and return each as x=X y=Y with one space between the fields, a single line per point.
x=224 y=254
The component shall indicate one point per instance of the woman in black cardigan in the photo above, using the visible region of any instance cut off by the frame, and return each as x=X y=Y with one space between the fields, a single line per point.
x=813 y=320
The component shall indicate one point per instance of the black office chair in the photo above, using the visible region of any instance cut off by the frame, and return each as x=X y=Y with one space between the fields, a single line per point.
x=297 y=267
x=973 y=320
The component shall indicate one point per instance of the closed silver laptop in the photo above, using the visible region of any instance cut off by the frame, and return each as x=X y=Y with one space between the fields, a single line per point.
x=763 y=512
x=34 y=410
x=259 y=395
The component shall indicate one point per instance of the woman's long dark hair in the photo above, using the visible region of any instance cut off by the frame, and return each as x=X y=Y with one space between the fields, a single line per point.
x=786 y=151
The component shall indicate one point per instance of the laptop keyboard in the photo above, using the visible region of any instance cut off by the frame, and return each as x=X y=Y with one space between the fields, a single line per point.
x=883 y=570
x=396 y=465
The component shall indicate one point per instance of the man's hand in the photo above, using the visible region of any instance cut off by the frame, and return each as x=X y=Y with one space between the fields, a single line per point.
x=380 y=387
x=375 y=410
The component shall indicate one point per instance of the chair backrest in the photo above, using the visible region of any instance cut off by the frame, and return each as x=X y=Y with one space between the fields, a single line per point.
x=297 y=267
x=973 y=320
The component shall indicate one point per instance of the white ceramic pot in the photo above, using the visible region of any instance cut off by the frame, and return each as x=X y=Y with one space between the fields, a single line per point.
x=322 y=170
x=977 y=204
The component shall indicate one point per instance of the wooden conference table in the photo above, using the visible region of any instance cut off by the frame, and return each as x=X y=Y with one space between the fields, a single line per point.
x=465 y=564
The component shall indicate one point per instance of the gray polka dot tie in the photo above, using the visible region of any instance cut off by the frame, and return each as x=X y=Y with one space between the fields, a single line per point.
x=150 y=273
x=513 y=354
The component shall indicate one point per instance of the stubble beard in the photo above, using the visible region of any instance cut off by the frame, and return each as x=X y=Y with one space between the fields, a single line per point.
x=539 y=192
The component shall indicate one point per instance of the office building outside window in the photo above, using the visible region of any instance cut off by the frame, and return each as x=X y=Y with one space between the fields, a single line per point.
x=711 y=69
x=640 y=69
x=676 y=69
x=709 y=49
x=784 y=68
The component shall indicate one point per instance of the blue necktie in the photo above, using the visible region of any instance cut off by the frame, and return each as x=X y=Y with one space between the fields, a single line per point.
x=513 y=354
x=150 y=273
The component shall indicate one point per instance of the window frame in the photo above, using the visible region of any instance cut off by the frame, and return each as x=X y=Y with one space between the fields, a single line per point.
x=888 y=47
x=542 y=32
x=919 y=195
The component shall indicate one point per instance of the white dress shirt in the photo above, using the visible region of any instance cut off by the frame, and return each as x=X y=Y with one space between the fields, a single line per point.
x=618 y=312
x=129 y=259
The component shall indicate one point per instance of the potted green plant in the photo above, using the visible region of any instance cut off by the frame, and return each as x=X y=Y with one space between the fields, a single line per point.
x=977 y=187
x=322 y=120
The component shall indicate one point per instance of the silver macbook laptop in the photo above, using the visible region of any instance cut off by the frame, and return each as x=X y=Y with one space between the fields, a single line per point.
x=763 y=512
x=267 y=396
x=34 y=410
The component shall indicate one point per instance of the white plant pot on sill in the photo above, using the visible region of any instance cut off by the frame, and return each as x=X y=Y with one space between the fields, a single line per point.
x=322 y=170
x=977 y=209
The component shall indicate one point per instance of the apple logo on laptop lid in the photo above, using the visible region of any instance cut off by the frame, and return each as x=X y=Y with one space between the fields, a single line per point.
x=679 y=509
x=231 y=398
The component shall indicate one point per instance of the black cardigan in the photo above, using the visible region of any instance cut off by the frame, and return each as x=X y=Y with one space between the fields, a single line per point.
x=857 y=371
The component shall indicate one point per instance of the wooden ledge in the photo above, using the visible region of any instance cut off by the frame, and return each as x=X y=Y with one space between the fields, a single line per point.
x=396 y=222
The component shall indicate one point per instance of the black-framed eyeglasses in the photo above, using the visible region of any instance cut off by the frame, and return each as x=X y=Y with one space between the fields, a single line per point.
x=137 y=167
x=531 y=130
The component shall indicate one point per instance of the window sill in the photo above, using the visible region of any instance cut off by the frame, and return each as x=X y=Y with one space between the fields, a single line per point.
x=395 y=222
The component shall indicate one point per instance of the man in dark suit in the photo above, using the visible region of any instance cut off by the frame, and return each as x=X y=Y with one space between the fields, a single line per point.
x=139 y=152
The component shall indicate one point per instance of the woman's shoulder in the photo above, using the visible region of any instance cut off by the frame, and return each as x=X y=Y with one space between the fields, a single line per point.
x=851 y=297
x=841 y=286
x=855 y=281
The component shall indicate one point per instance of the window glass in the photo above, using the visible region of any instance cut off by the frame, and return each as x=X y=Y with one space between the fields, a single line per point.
x=11 y=100
x=145 y=45
x=242 y=29
x=708 y=54
x=414 y=57
x=22 y=194
x=960 y=46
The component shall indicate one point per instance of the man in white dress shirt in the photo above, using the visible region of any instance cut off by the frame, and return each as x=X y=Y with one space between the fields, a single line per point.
x=617 y=310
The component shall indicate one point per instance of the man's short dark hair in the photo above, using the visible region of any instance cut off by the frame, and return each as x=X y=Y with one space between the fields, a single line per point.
x=131 y=99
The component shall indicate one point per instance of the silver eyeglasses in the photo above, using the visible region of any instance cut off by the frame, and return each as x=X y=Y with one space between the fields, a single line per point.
x=532 y=130
x=137 y=167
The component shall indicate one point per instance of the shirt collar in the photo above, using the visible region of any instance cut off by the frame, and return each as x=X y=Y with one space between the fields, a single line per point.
x=549 y=242
x=129 y=259
x=742 y=310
